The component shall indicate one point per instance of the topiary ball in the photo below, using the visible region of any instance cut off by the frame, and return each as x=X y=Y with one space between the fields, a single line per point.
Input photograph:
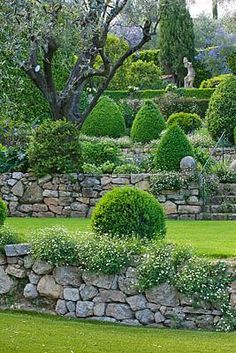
x=148 y=123
x=174 y=146
x=55 y=148
x=128 y=211
x=221 y=114
x=105 y=119
x=187 y=121
x=3 y=212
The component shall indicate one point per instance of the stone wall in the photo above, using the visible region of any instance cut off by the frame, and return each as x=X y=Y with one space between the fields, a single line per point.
x=75 y=195
x=70 y=292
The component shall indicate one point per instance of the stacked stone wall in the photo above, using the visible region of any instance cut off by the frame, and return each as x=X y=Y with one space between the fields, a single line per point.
x=75 y=195
x=70 y=292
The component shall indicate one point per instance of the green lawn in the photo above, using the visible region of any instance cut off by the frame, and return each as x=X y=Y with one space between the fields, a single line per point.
x=211 y=238
x=32 y=333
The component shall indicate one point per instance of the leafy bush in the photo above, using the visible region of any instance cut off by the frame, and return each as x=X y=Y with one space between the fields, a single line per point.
x=54 y=245
x=55 y=148
x=172 y=103
x=173 y=146
x=215 y=81
x=145 y=75
x=232 y=62
x=104 y=254
x=13 y=158
x=148 y=123
x=148 y=55
x=128 y=113
x=3 y=212
x=187 y=121
x=224 y=174
x=105 y=119
x=128 y=211
x=8 y=236
x=127 y=168
x=221 y=115
x=201 y=139
x=100 y=152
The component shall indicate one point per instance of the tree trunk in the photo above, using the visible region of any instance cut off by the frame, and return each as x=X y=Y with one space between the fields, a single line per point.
x=215 y=9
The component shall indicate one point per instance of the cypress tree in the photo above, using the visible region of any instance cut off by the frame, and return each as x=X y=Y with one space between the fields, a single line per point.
x=176 y=38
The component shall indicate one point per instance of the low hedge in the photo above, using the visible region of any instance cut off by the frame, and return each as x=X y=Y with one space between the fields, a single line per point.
x=200 y=93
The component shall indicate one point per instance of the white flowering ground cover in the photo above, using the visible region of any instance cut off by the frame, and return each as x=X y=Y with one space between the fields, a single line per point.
x=211 y=238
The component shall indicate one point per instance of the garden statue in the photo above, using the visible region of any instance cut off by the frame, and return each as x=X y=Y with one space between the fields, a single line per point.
x=233 y=166
x=188 y=163
x=189 y=79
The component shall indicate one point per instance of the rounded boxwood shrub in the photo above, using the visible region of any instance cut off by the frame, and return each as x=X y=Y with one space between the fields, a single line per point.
x=187 y=121
x=174 y=146
x=3 y=212
x=128 y=211
x=105 y=119
x=148 y=123
x=55 y=148
x=221 y=114
x=215 y=81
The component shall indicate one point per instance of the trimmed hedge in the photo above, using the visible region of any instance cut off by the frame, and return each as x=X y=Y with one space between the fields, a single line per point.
x=187 y=121
x=148 y=123
x=200 y=93
x=105 y=119
x=174 y=146
x=215 y=81
x=55 y=148
x=221 y=115
x=232 y=62
x=127 y=211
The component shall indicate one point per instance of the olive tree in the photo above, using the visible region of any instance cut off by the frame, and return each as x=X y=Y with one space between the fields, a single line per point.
x=34 y=32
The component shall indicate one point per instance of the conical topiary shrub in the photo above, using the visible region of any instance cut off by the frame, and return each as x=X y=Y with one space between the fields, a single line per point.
x=173 y=146
x=105 y=119
x=221 y=114
x=148 y=123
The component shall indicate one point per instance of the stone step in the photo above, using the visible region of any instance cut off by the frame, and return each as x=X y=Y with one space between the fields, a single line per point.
x=219 y=199
x=223 y=208
x=218 y=216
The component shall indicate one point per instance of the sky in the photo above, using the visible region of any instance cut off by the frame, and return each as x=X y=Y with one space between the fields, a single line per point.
x=205 y=6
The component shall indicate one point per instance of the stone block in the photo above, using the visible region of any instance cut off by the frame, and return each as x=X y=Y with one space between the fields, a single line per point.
x=17 y=250
x=100 y=281
x=163 y=294
x=170 y=207
x=71 y=294
x=145 y=316
x=6 y=283
x=189 y=209
x=108 y=296
x=84 y=309
x=137 y=302
x=30 y=291
x=42 y=267
x=47 y=287
x=119 y=311
x=61 y=308
x=16 y=271
x=68 y=276
x=18 y=189
x=88 y=292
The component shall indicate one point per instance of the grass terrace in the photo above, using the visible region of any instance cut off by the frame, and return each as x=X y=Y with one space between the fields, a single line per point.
x=209 y=238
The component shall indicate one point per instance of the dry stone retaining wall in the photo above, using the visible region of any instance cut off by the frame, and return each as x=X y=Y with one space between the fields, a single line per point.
x=75 y=195
x=70 y=292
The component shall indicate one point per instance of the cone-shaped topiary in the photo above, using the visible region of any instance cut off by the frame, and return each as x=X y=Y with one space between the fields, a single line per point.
x=173 y=146
x=221 y=114
x=128 y=211
x=105 y=119
x=187 y=121
x=148 y=123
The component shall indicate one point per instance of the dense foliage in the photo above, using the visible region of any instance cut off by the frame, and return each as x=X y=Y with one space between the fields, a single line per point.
x=8 y=236
x=129 y=212
x=173 y=146
x=144 y=75
x=55 y=148
x=105 y=119
x=187 y=121
x=148 y=123
x=221 y=115
x=176 y=37
x=215 y=81
x=100 y=152
x=232 y=62
x=3 y=212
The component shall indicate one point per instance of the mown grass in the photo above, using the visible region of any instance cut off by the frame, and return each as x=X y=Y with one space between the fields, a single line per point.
x=210 y=238
x=34 y=333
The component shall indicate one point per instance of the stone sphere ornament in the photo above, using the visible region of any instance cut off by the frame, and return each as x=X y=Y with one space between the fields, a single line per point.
x=188 y=163
x=233 y=166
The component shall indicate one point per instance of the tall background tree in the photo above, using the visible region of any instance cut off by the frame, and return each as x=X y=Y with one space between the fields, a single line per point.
x=176 y=38
x=35 y=33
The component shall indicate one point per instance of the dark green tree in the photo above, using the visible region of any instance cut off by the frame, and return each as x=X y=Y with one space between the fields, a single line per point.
x=176 y=38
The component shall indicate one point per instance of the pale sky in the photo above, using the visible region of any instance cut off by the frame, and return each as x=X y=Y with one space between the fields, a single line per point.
x=205 y=6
